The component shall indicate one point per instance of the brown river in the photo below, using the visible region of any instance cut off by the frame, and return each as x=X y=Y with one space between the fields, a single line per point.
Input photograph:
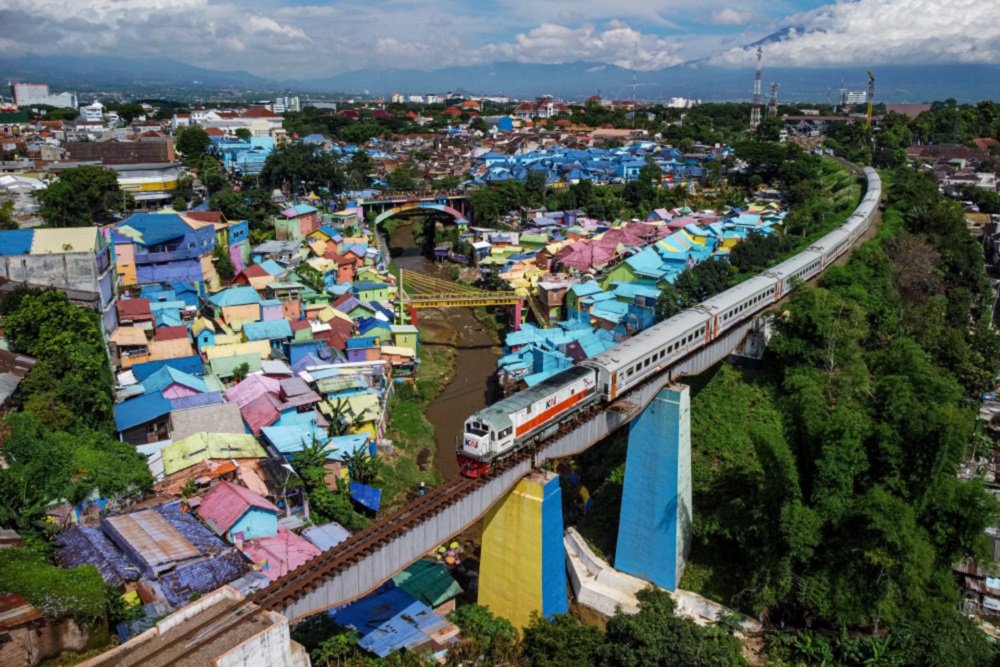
x=475 y=359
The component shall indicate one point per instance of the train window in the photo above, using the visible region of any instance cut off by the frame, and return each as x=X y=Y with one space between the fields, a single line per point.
x=572 y=392
x=646 y=363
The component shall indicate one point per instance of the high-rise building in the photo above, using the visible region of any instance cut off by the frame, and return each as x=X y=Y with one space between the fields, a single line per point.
x=27 y=94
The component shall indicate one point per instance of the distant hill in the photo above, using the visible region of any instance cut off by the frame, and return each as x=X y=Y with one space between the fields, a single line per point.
x=571 y=81
x=898 y=83
x=72 y=70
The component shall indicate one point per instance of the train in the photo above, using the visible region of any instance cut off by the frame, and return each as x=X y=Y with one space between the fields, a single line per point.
x=500 y=430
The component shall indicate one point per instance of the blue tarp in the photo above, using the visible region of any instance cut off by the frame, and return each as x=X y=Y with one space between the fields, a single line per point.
x=366 y=496
x=389 y=621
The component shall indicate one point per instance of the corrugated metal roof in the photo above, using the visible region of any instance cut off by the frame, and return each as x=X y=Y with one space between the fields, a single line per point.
x=428 y=582
x=141 y=410
x=167 y=376
x=221 y=418
x=153 y=228
x=202 y=577
x=327 y=535
x=197 y=400
x=150 y=537
x=190 y=364
x=235 y=296
x=270 y=330
x=225 y=367
x=258 y=413
x=129 y=336
x=196 y=448
x=226 y=503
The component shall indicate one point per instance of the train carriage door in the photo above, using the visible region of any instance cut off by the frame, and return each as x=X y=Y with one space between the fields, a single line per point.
x=614 y=385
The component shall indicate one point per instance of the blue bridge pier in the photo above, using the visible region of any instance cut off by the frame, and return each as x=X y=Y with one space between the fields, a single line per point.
x=654 y=534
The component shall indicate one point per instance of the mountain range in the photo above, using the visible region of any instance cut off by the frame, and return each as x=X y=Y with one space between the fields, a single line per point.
x=571 y=81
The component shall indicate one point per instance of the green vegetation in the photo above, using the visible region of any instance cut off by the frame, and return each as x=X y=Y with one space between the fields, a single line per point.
x=7 y=221
x=83 y=196
x=193 y=144
x=302 y=168
x=56 y=592
x=411 y=434
x=825 y=486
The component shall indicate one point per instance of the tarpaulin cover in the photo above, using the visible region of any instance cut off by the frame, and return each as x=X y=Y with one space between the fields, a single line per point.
x=366 y=496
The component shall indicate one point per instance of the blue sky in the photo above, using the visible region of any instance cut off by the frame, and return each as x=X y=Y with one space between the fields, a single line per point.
x=297 y=39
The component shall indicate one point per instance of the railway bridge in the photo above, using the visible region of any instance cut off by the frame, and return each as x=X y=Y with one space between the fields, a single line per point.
x=359 y=565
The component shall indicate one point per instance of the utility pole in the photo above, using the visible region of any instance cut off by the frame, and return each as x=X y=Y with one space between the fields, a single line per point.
x=755 y=110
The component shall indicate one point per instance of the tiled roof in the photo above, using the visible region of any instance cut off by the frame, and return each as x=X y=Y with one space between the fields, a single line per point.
x=218 y=418
x=226 y=503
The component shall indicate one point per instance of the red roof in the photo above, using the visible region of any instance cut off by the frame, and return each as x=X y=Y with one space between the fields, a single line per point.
x=227 y=502
x=134 y=309
x=170 y=333
x=253 y=271
x=258 y=413
x=452 y=111
x=339 y=259
x=348 y=113
x=214 y=132
x=260 y=113
x=381 y=113
x=299 y=325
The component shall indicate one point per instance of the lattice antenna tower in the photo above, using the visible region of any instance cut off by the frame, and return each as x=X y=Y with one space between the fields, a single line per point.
x=755 y=110
x=772 y=106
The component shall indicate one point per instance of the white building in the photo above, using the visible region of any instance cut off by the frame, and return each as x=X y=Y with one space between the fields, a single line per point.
x=397 y=98
x=28 y=94
x=92 y=113
x=417 y=99
x=682 y=103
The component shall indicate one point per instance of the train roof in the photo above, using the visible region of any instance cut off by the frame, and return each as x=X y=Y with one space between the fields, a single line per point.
x=736 y=294
x=498 y=414
x=640 y=344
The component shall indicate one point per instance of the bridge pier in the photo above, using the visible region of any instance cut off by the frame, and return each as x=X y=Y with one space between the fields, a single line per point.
x=523 y=564
x=654 y=535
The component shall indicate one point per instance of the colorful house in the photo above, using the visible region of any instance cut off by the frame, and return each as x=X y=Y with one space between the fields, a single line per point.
x=404 y=335
x=237 y=513
x=237 y=304
x=296 y=223
x=164 y=248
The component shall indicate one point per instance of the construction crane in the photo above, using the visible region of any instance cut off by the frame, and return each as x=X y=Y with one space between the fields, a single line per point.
x=755 y=110
x=871 y=98
x=772 y=106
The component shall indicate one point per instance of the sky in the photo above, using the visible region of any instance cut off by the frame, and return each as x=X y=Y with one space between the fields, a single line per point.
x=302 y=39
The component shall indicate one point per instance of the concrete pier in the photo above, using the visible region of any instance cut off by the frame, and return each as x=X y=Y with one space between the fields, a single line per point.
x=523 y=567
x=654 y=536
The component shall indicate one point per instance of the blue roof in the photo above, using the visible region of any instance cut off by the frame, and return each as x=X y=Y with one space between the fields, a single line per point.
x=16 y=242
x=291 y=438
x=156 y=227
x=368 y=284
x=197 y=400
x=366 y=496
x=235 y=296
x=349 y=444
x=270 y=330
x=360 y=343
x=303 y=209
x=192 y=365
x=141 y=410
x=272 y=267
x=585 y=289
x=389 y=620
x=167 y=376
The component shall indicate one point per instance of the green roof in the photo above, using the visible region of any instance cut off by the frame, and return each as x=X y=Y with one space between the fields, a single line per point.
x=196 y=448
x=428 y=582
x=224 y=367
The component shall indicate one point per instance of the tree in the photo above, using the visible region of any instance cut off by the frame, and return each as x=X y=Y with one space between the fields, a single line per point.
x=536 y=184
x=561 y=642
x=656 y=636
x=243 y=134
x=193 y=143
x=359 y=169
x=488 y=638
x=178 y=203
x=223 y=264
x=7 y=220
x=403 y=176
x=364 y=468
x=82 y=196
x=302 y=167
x=129 y=112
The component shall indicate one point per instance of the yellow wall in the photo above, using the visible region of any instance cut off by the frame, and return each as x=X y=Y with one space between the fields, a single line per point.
x=125 y=263
x=246 y=313
x=510 y=569
x=155 y=186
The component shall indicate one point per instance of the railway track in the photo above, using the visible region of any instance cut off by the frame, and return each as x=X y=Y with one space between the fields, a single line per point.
x=316 y=572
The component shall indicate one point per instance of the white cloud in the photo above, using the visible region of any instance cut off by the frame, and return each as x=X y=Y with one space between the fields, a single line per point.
x=873 y=32
x=730 y=16
x=618 y=45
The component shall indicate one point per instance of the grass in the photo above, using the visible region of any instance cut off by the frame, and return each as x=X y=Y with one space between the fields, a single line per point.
x=412 y=461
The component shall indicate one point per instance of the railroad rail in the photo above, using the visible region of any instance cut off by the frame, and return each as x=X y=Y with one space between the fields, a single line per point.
x=444 y=510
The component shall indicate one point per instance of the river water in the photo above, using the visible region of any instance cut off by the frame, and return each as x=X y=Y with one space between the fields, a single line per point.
x=475 y=360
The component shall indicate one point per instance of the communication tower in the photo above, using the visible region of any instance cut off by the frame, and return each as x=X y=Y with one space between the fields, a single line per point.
x=871 y=98
x=755 y=110
x=772 y=106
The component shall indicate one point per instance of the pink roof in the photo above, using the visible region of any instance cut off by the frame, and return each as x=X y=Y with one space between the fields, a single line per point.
x=252 y=387
x=227 y=502
x=283 y=553
x=259 y=412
